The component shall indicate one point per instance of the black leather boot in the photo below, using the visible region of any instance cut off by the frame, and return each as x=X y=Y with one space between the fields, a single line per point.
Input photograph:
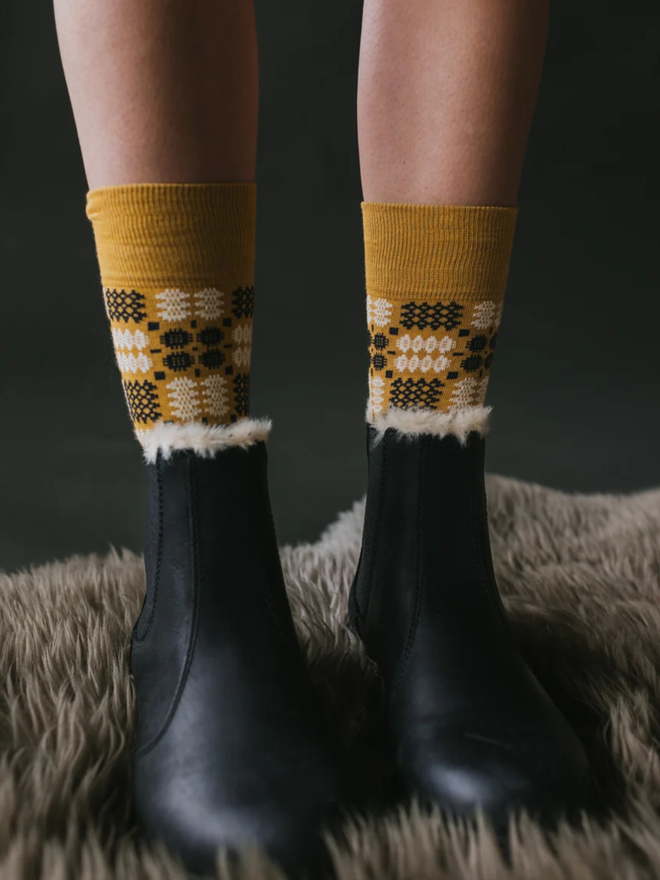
x=232 y=749
x=470 y=724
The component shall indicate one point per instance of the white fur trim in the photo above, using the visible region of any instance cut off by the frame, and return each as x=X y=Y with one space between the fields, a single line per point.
x=204 y=440
x=412 y=422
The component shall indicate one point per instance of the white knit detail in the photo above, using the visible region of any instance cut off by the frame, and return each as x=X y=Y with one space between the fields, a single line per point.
x=242 y=335
x=173 y=305
x=209 y=303
x=487 y=314
x=204 y=440
x=467 y=392
x=379 y=311
x=132 y=363
x=241 y=357
x=376 y=395
x=183 y=394
x=128 y=339
x=414 y=364
x=459 y=422
x=419 y=344
x=216 y=395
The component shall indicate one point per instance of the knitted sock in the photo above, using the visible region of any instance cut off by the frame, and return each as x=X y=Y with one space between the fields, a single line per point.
x=177 y=268
x=435 y=283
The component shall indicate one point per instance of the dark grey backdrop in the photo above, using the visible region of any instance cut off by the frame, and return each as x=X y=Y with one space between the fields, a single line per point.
x=575 y=383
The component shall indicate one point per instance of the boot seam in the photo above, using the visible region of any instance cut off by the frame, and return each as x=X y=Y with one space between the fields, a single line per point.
x=417 y=605
x=478 y=550
x=139 y=639
x=266 y=587
x=354 y=614
x=379 y=514
x=183 y=677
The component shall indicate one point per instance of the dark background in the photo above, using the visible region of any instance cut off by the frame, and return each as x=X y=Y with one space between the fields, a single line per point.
x=575 y=384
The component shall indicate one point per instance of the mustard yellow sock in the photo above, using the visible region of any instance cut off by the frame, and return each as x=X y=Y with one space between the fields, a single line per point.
x=435 y=279
x=177 y=269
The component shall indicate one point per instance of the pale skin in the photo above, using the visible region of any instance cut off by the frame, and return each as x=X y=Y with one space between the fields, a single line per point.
x=166 y=91
x=446 y=91
x=163 y=91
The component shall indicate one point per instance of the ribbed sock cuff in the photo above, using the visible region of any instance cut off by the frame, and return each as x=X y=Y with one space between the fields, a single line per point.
x=166 y=234
x=422 y=251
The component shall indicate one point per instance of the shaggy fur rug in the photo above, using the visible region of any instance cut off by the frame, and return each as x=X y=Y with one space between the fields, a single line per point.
x=580 y=576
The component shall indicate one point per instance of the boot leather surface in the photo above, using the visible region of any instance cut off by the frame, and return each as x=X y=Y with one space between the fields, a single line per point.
x=470 y=724
x=231 y=746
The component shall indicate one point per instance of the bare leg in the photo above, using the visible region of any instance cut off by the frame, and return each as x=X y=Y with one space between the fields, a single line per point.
x=162 y=91
x=446 y=92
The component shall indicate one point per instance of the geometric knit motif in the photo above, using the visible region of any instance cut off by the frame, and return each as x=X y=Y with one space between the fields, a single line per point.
x=184 y=355
x=433 y=354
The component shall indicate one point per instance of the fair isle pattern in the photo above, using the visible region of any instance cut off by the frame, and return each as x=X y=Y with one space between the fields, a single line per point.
x=431 y=354
x=184 y=354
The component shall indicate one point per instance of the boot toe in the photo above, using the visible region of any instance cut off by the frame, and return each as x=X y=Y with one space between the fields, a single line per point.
x=296 y=847
x=264 y=804
x=545 y=775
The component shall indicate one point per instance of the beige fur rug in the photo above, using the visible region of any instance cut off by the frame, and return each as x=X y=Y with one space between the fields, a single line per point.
x=581 y=579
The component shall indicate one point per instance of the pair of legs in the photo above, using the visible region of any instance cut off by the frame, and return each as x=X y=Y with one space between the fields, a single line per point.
x=231 y=746
x=167 y=91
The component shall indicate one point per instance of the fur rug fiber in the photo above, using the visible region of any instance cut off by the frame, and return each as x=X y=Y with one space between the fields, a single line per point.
x=581 y=580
